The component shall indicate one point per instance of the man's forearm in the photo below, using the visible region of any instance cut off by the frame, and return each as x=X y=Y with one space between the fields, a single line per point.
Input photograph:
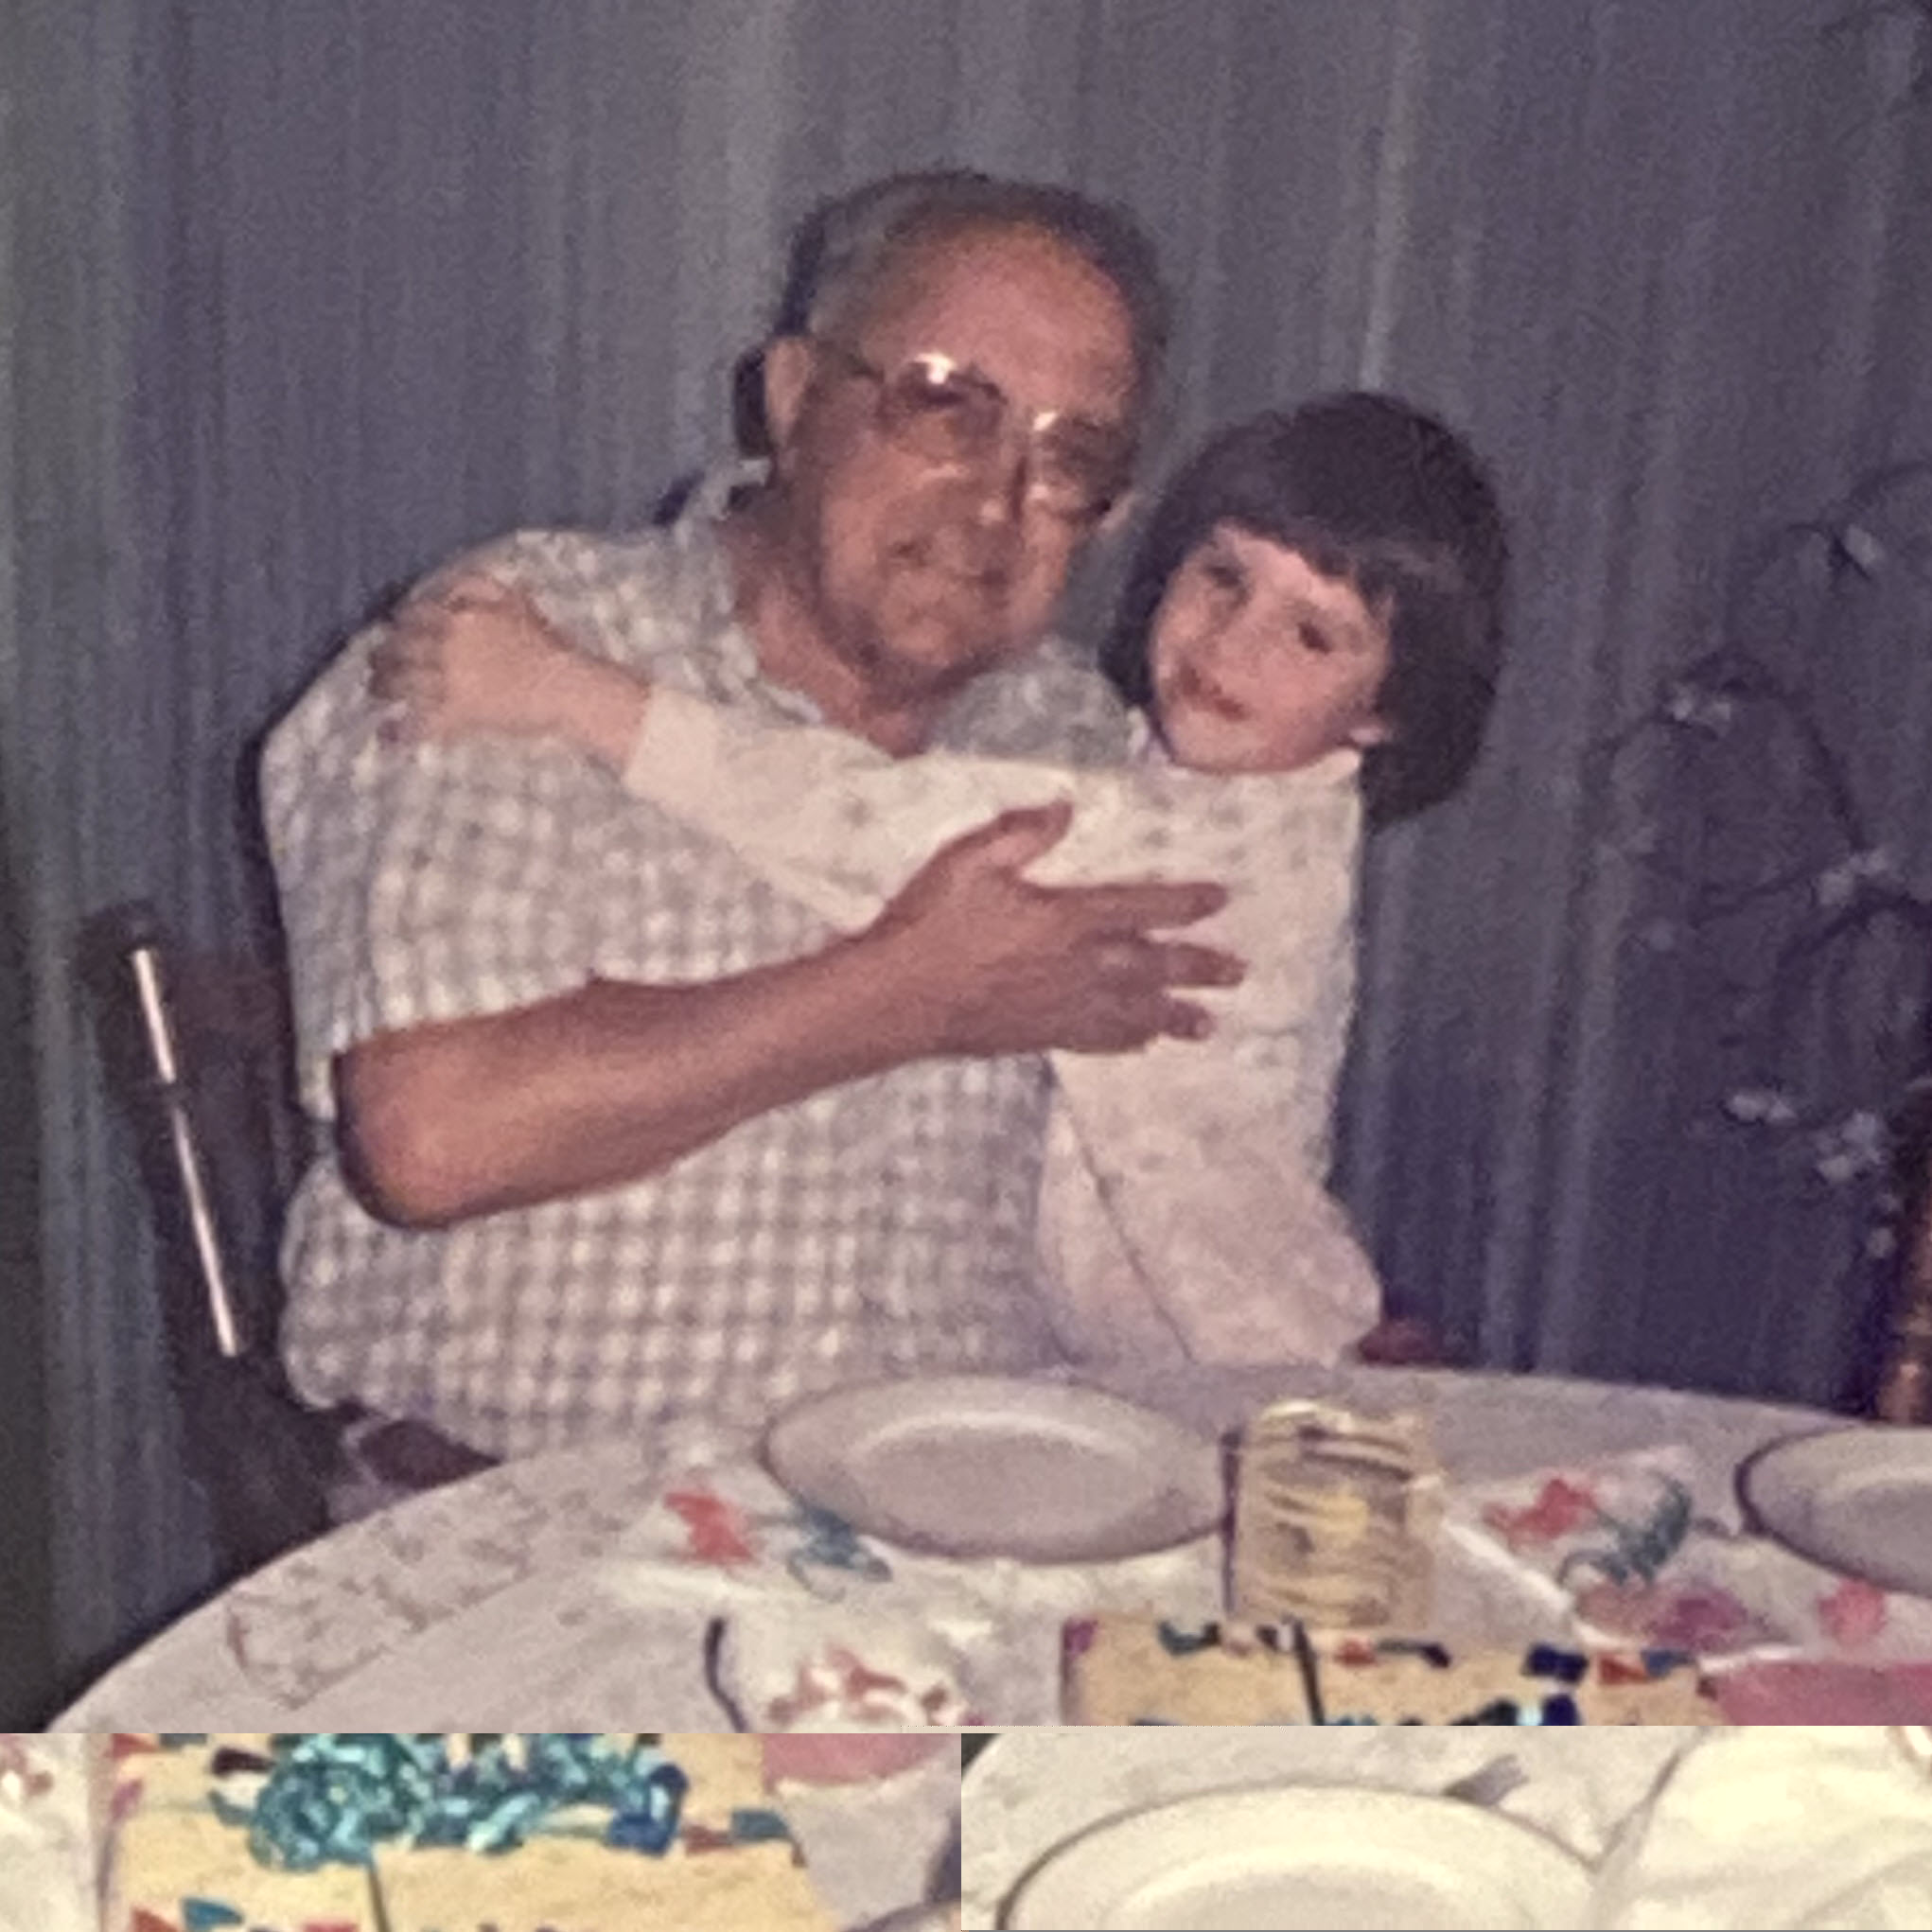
x=611 y=1084
x=615 y=1081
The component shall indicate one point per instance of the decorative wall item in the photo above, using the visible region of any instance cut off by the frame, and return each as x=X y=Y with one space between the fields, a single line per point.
x=1796 y=921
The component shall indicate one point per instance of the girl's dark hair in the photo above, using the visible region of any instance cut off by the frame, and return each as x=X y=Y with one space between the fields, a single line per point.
x=1377 y=493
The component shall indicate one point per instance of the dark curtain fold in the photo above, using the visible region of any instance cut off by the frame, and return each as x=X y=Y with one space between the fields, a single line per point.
x=26 y=1605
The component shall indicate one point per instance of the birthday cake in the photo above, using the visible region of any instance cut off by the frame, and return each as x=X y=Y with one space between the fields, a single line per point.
x=449 y=1831
x=1134 y=1670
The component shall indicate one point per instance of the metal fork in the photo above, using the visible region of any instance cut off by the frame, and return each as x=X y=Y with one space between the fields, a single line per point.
x=915 y=1919
x=1490 y=1784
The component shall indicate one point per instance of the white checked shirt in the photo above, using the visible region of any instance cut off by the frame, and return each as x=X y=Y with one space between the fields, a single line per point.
x=885 y=1226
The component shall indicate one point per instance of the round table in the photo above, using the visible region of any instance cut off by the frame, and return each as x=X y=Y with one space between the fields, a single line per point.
x=462 y=1609
x=529 y=1597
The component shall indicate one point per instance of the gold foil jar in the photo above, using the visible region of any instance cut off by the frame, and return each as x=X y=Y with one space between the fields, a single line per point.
x=1334 y=1519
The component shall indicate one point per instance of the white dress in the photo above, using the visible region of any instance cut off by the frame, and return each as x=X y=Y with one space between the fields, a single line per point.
x=1183 y=1212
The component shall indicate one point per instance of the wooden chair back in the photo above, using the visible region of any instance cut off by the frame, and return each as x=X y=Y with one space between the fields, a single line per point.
x=198 y=1051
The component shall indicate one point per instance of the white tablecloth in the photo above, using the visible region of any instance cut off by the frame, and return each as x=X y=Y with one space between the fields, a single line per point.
x=554 y=1593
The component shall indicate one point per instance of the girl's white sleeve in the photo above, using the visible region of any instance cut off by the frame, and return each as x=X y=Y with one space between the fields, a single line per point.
x=1183 y=1200
x=1203 y=1199
x=829 y=819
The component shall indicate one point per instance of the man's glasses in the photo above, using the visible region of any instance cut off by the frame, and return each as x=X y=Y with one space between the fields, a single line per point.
x=955 y=418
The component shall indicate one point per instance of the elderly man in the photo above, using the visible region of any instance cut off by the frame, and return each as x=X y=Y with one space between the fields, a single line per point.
x=620 y=1133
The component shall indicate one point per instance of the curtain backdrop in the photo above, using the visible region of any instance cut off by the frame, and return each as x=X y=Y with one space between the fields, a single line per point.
x=302 y=296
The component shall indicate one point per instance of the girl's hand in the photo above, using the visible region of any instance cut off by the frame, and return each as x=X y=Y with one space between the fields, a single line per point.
x=1401 y=1343
x=475 y=655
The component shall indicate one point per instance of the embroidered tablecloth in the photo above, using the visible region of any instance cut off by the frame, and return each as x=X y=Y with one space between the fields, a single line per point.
x=571 y=1591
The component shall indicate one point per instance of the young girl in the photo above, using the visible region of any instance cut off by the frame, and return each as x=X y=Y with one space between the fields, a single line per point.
x=1310 y=629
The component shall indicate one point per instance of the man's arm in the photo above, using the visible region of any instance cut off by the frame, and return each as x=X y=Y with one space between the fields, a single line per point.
x=834 y=822
x=612 y=1082
x=595 y=1088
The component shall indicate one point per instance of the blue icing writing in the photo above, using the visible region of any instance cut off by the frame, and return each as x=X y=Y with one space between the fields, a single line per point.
x=1179 y=1642
x=1436 y=1655
x=1500 y=1711
x=753 y=1826
x=1546 y=1661
x=207 y=1915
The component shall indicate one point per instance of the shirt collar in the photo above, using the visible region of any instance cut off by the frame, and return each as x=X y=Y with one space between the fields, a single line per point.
x=697 y=534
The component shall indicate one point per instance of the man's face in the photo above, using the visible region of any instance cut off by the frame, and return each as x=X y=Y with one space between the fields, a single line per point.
x=922 y=571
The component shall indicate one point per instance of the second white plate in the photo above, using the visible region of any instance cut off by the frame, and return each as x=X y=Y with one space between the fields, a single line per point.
x=985 y=1465
x=1293 y=1858
x=1857 y=1500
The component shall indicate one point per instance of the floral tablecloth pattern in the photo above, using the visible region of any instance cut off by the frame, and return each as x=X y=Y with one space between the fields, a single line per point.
x=571 y=1591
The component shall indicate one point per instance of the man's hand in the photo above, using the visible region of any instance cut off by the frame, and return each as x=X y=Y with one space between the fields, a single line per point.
x=978 y=961
x=593 y=1089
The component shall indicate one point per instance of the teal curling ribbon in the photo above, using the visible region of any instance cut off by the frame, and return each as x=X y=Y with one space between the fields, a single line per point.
x=333 y=1797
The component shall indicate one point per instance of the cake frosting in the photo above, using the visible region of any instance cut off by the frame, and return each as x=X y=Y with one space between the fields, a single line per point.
x=449 y=1832
x=1136 y=1670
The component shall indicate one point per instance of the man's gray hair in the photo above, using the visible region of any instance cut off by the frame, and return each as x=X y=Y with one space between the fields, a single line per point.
x=843 y=249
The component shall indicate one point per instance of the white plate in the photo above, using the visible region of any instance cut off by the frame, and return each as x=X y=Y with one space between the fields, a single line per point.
x=981 y=1466
x=917 y=1919
x=1285 y=1857
x=1857 y=1500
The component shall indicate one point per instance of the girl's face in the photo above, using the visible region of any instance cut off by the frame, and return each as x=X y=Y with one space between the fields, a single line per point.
x=1259 y=661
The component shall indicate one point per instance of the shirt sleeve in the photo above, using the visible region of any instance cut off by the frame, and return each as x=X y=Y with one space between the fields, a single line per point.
x=1287 y=848
x=424 y=883
x=829 y=820
x=839 y=826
